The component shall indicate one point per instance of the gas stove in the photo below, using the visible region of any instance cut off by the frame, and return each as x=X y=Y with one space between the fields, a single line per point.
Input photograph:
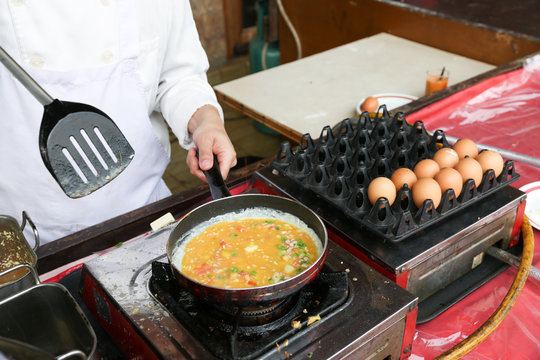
x=357 y=313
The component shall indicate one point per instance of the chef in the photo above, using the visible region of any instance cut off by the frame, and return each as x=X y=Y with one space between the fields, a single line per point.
x=140 y=62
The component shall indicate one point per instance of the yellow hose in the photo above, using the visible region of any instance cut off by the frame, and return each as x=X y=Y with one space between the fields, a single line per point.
x=504 y=308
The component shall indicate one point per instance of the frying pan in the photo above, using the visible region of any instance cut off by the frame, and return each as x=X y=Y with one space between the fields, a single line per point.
x=81 y=146
x=224 y=204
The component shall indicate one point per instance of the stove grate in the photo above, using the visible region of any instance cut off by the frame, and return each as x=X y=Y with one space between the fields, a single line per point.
x=228 y=339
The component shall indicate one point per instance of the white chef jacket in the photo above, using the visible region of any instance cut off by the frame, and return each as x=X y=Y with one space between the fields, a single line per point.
x=172 y=62
x=169 y=69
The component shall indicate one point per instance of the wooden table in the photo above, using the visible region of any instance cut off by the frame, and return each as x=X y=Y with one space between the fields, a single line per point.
x=306 y=95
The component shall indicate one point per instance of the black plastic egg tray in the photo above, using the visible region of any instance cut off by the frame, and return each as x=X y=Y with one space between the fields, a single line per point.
x=339 y=166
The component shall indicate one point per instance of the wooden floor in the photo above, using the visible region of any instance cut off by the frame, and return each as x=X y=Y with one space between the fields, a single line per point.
x=249 y=140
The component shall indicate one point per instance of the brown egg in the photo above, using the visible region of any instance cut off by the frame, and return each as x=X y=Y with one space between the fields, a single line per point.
x=426 y=168
x=370 y=104
x=469 y=168
x=446 y=157
x=449 y=178
x=426 y=188
x=490 y=159
x=403 y=176
x=466 y=147
x=381 y=187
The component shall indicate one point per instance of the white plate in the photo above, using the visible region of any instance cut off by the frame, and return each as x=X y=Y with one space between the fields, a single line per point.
x=532 y=208
x=391 y=100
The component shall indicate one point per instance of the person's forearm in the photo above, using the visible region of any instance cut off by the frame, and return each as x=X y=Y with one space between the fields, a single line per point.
x=203 y=114
x=183 y=87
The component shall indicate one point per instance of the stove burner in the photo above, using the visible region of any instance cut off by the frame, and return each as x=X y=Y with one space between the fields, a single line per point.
x=252 y=315
x=240 y=334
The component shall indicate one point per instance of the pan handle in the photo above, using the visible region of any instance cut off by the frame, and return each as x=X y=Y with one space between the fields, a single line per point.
x=25 y=79
x=218 y=188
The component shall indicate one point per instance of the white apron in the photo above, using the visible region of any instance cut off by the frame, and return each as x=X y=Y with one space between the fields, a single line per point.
x=116 y=89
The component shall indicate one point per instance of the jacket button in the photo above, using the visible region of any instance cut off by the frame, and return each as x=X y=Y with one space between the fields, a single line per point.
x=36 y=61
x=107 y=57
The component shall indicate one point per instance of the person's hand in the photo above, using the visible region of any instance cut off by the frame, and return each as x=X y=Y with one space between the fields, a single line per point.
x=210 y=137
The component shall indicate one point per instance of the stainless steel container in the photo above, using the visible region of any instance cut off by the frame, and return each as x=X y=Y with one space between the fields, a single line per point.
x=12 y=349
x=46 y=316
x=15 y=250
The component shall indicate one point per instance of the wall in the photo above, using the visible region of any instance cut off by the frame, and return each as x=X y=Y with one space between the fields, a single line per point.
x=324 y=24
x=210 y=20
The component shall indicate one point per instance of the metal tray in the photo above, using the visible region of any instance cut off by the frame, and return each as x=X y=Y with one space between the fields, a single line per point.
x=46 y=317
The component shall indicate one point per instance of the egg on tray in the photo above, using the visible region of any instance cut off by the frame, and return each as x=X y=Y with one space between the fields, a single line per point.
x=449 y=178
x=403 y=176
x=469 y=168
x=466 y=147
x=381 y=187
x=426 y=188
x=490 y=159
x=446 y=157
x=426 y=168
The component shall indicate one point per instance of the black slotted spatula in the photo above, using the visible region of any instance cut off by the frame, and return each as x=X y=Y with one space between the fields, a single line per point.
x=80 y=145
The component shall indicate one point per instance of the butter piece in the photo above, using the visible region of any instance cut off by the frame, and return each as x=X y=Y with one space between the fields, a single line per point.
x=162 y=222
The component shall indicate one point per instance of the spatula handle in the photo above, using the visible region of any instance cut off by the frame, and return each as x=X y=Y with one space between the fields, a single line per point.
x=25 y=79
x=216 y=183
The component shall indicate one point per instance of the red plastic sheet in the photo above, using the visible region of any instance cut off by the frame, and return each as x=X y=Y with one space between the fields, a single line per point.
x=502 y=112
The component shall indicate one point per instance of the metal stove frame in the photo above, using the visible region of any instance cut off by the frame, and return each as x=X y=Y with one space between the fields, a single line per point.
x=375 y=324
